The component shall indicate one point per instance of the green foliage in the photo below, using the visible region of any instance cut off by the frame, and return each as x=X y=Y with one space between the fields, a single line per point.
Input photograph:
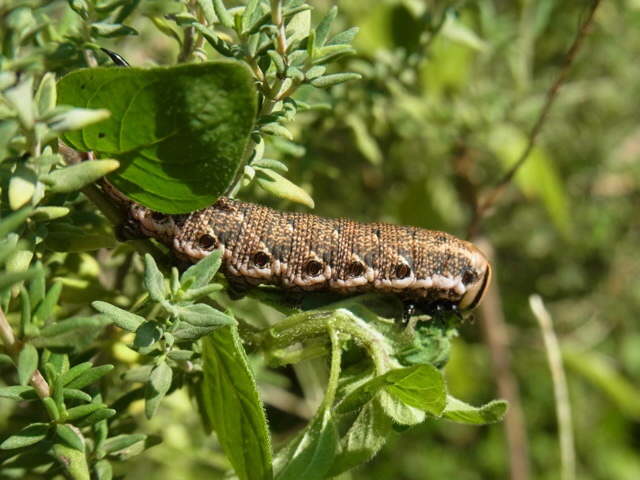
x=415 y=128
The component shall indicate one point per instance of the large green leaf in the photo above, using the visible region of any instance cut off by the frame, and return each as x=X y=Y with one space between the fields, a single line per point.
x=232 y=405
x=178 y=132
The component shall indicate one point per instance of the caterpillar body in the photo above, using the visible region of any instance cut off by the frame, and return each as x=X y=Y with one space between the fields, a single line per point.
x=429 y=270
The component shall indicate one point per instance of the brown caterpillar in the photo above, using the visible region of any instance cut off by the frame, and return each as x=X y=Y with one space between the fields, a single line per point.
x=427 y=269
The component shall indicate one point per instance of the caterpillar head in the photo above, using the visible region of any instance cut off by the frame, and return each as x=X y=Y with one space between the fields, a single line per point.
x=475 y=281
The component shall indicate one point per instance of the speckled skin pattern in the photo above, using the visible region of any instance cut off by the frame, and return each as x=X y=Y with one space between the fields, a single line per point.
x=303 y=252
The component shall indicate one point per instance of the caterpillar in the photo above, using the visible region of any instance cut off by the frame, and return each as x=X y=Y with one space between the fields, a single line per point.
x=429 y=270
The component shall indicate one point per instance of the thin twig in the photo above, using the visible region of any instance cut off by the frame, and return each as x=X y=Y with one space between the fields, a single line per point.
x=494 y=330
x=492 y=197
x=560 y=390
x=13 y=349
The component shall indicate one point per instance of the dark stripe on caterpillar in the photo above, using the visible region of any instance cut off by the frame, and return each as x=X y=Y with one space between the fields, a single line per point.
x=428 y=269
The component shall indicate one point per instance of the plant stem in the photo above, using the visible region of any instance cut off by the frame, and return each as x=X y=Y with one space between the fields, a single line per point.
x=13 y=349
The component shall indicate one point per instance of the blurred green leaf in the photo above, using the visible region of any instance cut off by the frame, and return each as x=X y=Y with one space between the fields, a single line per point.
x=73 y=461
x=71 y=335
x=598 y=369
x=202 y=315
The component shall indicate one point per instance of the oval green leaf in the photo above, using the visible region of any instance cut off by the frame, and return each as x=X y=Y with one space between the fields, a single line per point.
x=179 y=133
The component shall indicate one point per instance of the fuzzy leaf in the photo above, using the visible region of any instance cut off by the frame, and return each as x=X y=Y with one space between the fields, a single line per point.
x=232 y=405
x=310 y=454
x=461 y=412
x=156 y=388
x=335 y=79
x=279 y=186
x=125 y=320
x=154 y=280
x=202 y=315
x=73 y=178
x=202 y=272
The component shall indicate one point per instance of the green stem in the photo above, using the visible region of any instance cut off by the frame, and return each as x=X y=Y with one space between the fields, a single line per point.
x=334 y=374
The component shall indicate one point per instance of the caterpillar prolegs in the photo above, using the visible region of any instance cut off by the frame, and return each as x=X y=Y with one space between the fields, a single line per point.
x=429 y=270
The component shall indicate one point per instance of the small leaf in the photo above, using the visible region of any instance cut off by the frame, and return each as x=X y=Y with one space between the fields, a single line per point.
x=269 y=164
x=202 y=315
x=279 y=186
x=73 y=178
x=14 y=220
x=45 y=97
x=203 y=271
x=45 y=308
x=71 y=335
x=73 y=394
x=112 y=30
x=154 y=280
x=147 y=334
x=22 y=187
x=275 y=128
x=84 y=410
x=71 y=436
x=223 y=14
x=162 y=25
x=20 y=97
x=156 y=388
x=209 y=13
x=74 y=372
x=421 y=386
x=344 y=38
x=44 y=214
x=94 y=417
x=322 y=31
x=232 y=405
x=90 y=376
x=27 y=363
x=74 y=462
x=461 y=412
x=120 y=443
x=335 y=79
x=219 y=45
x=125 y=320
x=25 y=437
x=17 y=392
x=77 y=118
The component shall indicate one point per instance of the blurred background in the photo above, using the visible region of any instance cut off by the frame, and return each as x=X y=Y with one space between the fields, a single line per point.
x=449 y=94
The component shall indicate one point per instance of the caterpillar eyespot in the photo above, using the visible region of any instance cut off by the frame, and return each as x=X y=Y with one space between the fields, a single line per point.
x=403 y=271
x=314 y=268
x=207 y=242
x=261 y=259
x=429 y=270
x=355 y=269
